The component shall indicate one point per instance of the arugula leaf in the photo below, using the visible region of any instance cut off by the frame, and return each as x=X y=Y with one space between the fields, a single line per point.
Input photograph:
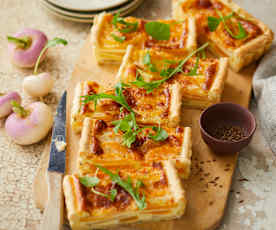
x=242 y=33
x=130 y=128
x=147 y=62
x=118 y=97
x=128 y=26
x=202 y=54
x=166 y=72
x=88 y=181
x=150 y=86
x=160 y=135
x=158 y=30
x=126 y=185
x=124 y=124
x=193 y=71
x=129 y=137
x=213 y=23
x=111 y=196
x=118 y=39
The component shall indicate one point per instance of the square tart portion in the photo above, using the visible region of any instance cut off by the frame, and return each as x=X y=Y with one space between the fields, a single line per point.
x=100 y=144
x=164 y=197
x=160 y=107
x=198 y=90
x=241 y=52
x=107 y=49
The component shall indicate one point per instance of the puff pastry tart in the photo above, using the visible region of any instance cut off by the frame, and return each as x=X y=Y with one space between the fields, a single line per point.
x=122 y=195
x=101 y=144
x=110 y=36
x=201 y=79
x=159 y=107
x=230 y=30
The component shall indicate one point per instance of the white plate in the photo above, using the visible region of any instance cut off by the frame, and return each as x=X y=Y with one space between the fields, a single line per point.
x=123 y=8
x=87 y=5
x=89 y=18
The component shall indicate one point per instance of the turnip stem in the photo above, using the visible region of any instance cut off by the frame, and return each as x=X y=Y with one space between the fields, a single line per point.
x=18 y=109
x=49 y=44
x=22 y=43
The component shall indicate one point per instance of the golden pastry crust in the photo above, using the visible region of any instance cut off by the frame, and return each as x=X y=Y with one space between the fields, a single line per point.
x=198 y=91
x=164 y=197
x=105 y=147
x=159 y=107
x=240 y=52
x=108 y=50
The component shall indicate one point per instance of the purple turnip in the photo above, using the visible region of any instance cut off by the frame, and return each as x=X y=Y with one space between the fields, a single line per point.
x=29 y=125
x=5 y=103
x=26 y=46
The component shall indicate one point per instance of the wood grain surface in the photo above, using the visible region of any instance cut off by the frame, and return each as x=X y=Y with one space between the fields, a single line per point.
x=208 y=187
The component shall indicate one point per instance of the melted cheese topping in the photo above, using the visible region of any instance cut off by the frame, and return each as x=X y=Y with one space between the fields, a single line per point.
x=150 y=108
x=157 y=193
x=105 y=147
x=107 y=41
x=201 y=9
x=178 y=35
x=193 y=87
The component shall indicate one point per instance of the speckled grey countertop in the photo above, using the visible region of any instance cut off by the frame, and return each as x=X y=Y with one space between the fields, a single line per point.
x=252 y=201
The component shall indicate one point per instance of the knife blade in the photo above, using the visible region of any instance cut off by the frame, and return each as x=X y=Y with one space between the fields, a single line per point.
x=53 y=213
x=57 y=158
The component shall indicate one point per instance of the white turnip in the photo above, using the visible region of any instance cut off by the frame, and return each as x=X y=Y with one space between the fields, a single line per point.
x=39 y=85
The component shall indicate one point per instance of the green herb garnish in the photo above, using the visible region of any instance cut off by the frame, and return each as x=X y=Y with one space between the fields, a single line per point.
x=158 y=30
x=213 y=23
x=160 y=135
x=193 y=71
x=150 y=86
x=91 y=182
x=128 y=27
x=129 y=127
x=147 y=62
x=127 y=124
x=118 y=97
x=128 y=186
x=118 y=38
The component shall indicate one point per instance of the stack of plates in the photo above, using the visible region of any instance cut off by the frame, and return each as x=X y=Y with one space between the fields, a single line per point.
x=85 y=10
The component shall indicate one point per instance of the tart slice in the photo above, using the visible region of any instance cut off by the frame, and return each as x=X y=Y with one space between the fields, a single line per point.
x=159 y=107
x=111 y=34
x=102 y=144
x=230 y=30
x=120 y=195
x=201 y=79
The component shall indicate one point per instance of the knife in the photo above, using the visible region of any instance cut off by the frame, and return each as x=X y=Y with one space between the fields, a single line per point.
x=53 y=213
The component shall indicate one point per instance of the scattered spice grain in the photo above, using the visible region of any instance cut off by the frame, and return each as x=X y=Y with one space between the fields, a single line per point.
x=228 y=132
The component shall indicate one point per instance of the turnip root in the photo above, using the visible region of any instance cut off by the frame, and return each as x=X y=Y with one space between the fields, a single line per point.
x=5 y=103
x=26 y=46
x=29 y=125
x=39 y=85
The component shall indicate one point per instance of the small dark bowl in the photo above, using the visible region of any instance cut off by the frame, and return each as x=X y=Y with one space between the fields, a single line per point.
x=226 y=114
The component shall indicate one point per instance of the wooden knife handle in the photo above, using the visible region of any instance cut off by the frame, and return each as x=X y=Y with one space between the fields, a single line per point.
x=53 y=214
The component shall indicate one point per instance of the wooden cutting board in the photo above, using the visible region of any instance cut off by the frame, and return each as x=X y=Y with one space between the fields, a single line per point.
x=208 y=187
